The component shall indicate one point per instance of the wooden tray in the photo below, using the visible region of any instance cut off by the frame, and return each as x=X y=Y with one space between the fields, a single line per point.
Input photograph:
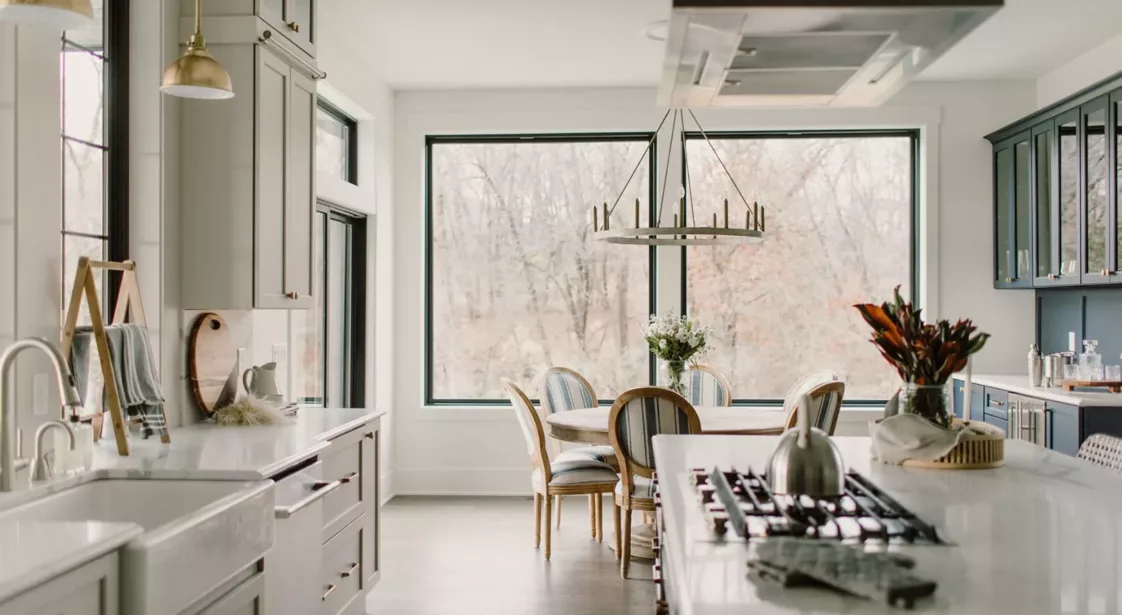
x=1113 y=386
x=976 y=452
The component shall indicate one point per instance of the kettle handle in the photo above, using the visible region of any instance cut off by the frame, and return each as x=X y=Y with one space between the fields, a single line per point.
x=803 y=421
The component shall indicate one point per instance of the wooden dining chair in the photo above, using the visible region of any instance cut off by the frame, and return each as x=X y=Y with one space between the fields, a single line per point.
x=564 y=389
x=637 y=416
x=565 y=476
x=825 y=405
x=1102 y=450
x=706 y=386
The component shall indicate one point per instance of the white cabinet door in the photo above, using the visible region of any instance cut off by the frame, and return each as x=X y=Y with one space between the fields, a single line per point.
x=273 y=85
x=302 y=30
x=291 y=567
x=300 y=200
x=88 y=590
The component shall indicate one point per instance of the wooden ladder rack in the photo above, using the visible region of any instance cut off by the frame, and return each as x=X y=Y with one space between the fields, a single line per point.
x=128 y=303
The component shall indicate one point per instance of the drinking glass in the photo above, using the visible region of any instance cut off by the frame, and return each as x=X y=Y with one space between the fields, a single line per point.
x=1114 y=372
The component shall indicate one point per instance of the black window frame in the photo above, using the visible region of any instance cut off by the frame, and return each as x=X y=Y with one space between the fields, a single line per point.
x=350 y=126
x=652 y=287
x=914 y=134
x=115 y=51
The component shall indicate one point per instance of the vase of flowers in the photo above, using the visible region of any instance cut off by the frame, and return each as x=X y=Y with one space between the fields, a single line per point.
x=677 y=341
x=924 y=355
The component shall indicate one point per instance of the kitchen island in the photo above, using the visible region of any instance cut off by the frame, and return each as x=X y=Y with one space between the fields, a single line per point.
x=1042 y=534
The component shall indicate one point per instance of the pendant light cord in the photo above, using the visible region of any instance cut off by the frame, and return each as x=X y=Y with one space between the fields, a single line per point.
x=198 y=18
x=666 y=171
x=731 y=178
x=650 y=143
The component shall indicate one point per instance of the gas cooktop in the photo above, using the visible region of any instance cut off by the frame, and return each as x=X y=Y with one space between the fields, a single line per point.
x=743 y=502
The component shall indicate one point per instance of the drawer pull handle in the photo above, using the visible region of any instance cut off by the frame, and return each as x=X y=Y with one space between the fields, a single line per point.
x=996 y=403
x=370 y=435
x=330 y=588
x=319 y=489
x=350 y=571
x=348 y=478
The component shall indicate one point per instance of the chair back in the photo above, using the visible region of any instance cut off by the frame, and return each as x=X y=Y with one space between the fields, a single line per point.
x=564 y=389
x=825 y=405
x=706 y=386
x=805 y=384
x=531 y=425
x=641 y=414
x=1102 y=450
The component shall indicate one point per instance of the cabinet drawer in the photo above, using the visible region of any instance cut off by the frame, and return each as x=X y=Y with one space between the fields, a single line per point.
x=351 y=460
x=997 y=403
x=344 y=566
x=245 y=599
x=88 y=590
x=299 y=527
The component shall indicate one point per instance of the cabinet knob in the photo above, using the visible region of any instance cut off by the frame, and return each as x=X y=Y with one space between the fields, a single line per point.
x=292 y=295
x=370 y=435
x=292 y=25
x=1008 y=280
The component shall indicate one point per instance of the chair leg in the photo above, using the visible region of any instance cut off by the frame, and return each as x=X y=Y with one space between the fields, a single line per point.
x=548 y=516
x=557 y=503
x=538 y=520
x=615 y=519
x=599 y=517
x=592 y=516
x=624 y=547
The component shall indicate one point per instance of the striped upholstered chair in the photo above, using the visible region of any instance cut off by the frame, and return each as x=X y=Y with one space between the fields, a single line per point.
x=825 y=405
x=564 y=476
x=706 y=386
x=637 y=416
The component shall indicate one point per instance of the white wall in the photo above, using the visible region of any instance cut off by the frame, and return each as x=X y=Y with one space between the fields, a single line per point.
x=1095 y=65
x=479 y=450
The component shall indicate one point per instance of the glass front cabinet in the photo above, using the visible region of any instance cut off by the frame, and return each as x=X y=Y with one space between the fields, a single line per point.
x=1058 y=193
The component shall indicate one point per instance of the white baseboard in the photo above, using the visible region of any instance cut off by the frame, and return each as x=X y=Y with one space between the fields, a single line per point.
x=387 y=487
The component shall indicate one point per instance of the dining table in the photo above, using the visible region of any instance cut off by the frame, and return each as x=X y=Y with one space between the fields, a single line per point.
x=590 y=426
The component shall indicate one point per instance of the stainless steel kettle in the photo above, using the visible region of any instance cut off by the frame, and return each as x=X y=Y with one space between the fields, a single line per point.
x=806 y=461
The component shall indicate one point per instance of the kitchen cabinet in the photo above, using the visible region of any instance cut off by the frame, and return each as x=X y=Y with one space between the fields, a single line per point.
x=295 y=19
x=248 y=598
x=1056 y=194
x=1064 y=436
x=248 y=186
x=90 y=589
x=977 y=401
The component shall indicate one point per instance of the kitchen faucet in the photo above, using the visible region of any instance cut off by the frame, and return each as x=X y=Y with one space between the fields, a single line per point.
x=10 y=460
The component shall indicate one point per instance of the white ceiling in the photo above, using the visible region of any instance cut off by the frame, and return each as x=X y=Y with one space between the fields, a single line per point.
x=1028 y=38
x=450 y=44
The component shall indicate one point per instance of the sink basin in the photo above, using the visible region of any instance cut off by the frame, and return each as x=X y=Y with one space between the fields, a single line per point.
x=197 y=534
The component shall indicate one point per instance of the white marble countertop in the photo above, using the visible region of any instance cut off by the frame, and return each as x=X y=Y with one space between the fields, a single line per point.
x=1042 y=534
x=1019 y=384
x=32 y=553
x=206 y=451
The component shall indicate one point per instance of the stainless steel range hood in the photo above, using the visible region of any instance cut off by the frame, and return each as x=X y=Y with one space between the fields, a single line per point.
x=819 y=53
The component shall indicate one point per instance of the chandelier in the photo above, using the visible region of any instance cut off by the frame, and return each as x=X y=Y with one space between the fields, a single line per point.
x=686 y=229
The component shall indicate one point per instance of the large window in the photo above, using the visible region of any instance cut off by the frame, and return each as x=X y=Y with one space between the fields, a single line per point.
x=515 y=283
x=336 y=143
x=840 y=230
x=94 y=112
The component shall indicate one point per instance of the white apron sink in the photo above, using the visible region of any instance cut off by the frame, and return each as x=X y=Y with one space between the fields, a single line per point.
x=197 y=534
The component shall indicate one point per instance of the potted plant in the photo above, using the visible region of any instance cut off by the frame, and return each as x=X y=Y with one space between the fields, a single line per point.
x=925 y=355
x=676 y=341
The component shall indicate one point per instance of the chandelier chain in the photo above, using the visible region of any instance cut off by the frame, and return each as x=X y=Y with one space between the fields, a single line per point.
x=646 y=151
x=731 y=178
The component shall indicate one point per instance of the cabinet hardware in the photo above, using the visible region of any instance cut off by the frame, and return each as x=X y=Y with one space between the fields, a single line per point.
x=1008 y=280
x=292 y=25
x=369 y=435
x=319 y=490
x=330 y=588
x=266 y=38
x=994 y=403
x=348 y=478
x=292 y=295
x=350 y=571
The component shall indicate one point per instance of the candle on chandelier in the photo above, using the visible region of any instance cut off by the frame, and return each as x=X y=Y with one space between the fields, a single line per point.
x=636 y=213
x=726 y=214
x=595 y=219
x=682 y=208
x=763 y=218
x=714 y=219
x=756 y=214
x=607 y=222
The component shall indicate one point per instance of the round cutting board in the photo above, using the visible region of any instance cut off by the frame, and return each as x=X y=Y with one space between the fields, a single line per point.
x=212 y=363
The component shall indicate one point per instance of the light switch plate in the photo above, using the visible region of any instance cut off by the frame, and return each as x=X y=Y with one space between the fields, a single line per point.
x=280 y=354
x=39 y=394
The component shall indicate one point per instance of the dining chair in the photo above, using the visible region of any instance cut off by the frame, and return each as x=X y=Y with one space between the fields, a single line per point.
x=565 y=389
x=637 y=416
x=706 y=386
x=565 y=476
x=825 y=405
x=1102 y=450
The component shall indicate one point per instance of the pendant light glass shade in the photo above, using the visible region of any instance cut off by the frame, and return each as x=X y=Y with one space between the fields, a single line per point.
x=196 y=74
x=56 y=14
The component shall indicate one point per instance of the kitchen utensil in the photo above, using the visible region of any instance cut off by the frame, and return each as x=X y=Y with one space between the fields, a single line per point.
x=806 y=461
x=1035 y=366
x=261 y=380
x=212 y=362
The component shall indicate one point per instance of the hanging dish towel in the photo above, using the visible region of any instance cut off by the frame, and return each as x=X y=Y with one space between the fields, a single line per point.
x=133 y=369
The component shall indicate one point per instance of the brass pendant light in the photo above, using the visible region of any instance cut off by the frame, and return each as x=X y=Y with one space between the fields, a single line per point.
x=57 y=14
x=196 y=74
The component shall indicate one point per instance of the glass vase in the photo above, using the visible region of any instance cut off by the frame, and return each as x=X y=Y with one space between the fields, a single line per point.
x=932 y=402
x=674 y=376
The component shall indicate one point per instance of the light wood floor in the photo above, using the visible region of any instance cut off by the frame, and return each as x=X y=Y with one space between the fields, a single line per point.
x=468 y=556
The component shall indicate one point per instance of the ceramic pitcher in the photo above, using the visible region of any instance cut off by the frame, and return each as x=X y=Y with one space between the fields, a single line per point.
x=261 y=380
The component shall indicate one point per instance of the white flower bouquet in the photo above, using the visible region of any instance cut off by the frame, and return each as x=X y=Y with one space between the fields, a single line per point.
x=676 y=341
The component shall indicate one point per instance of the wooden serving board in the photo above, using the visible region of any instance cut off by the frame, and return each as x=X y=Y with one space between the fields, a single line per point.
x=212 y=363
x=1114 y=386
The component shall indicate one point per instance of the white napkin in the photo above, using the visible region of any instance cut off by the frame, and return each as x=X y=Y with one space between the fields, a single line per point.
x=910 y=436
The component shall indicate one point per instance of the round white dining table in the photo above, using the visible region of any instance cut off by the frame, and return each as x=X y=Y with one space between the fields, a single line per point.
x=590 y=425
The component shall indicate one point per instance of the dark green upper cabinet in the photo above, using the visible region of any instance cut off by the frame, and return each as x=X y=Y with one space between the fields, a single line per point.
x=1058 y=193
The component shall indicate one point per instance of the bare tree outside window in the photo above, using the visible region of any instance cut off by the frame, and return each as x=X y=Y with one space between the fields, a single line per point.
x=517 y=283
x=839 y=215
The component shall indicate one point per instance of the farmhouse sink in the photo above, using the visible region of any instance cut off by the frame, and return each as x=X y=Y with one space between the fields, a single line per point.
x=197 y=534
